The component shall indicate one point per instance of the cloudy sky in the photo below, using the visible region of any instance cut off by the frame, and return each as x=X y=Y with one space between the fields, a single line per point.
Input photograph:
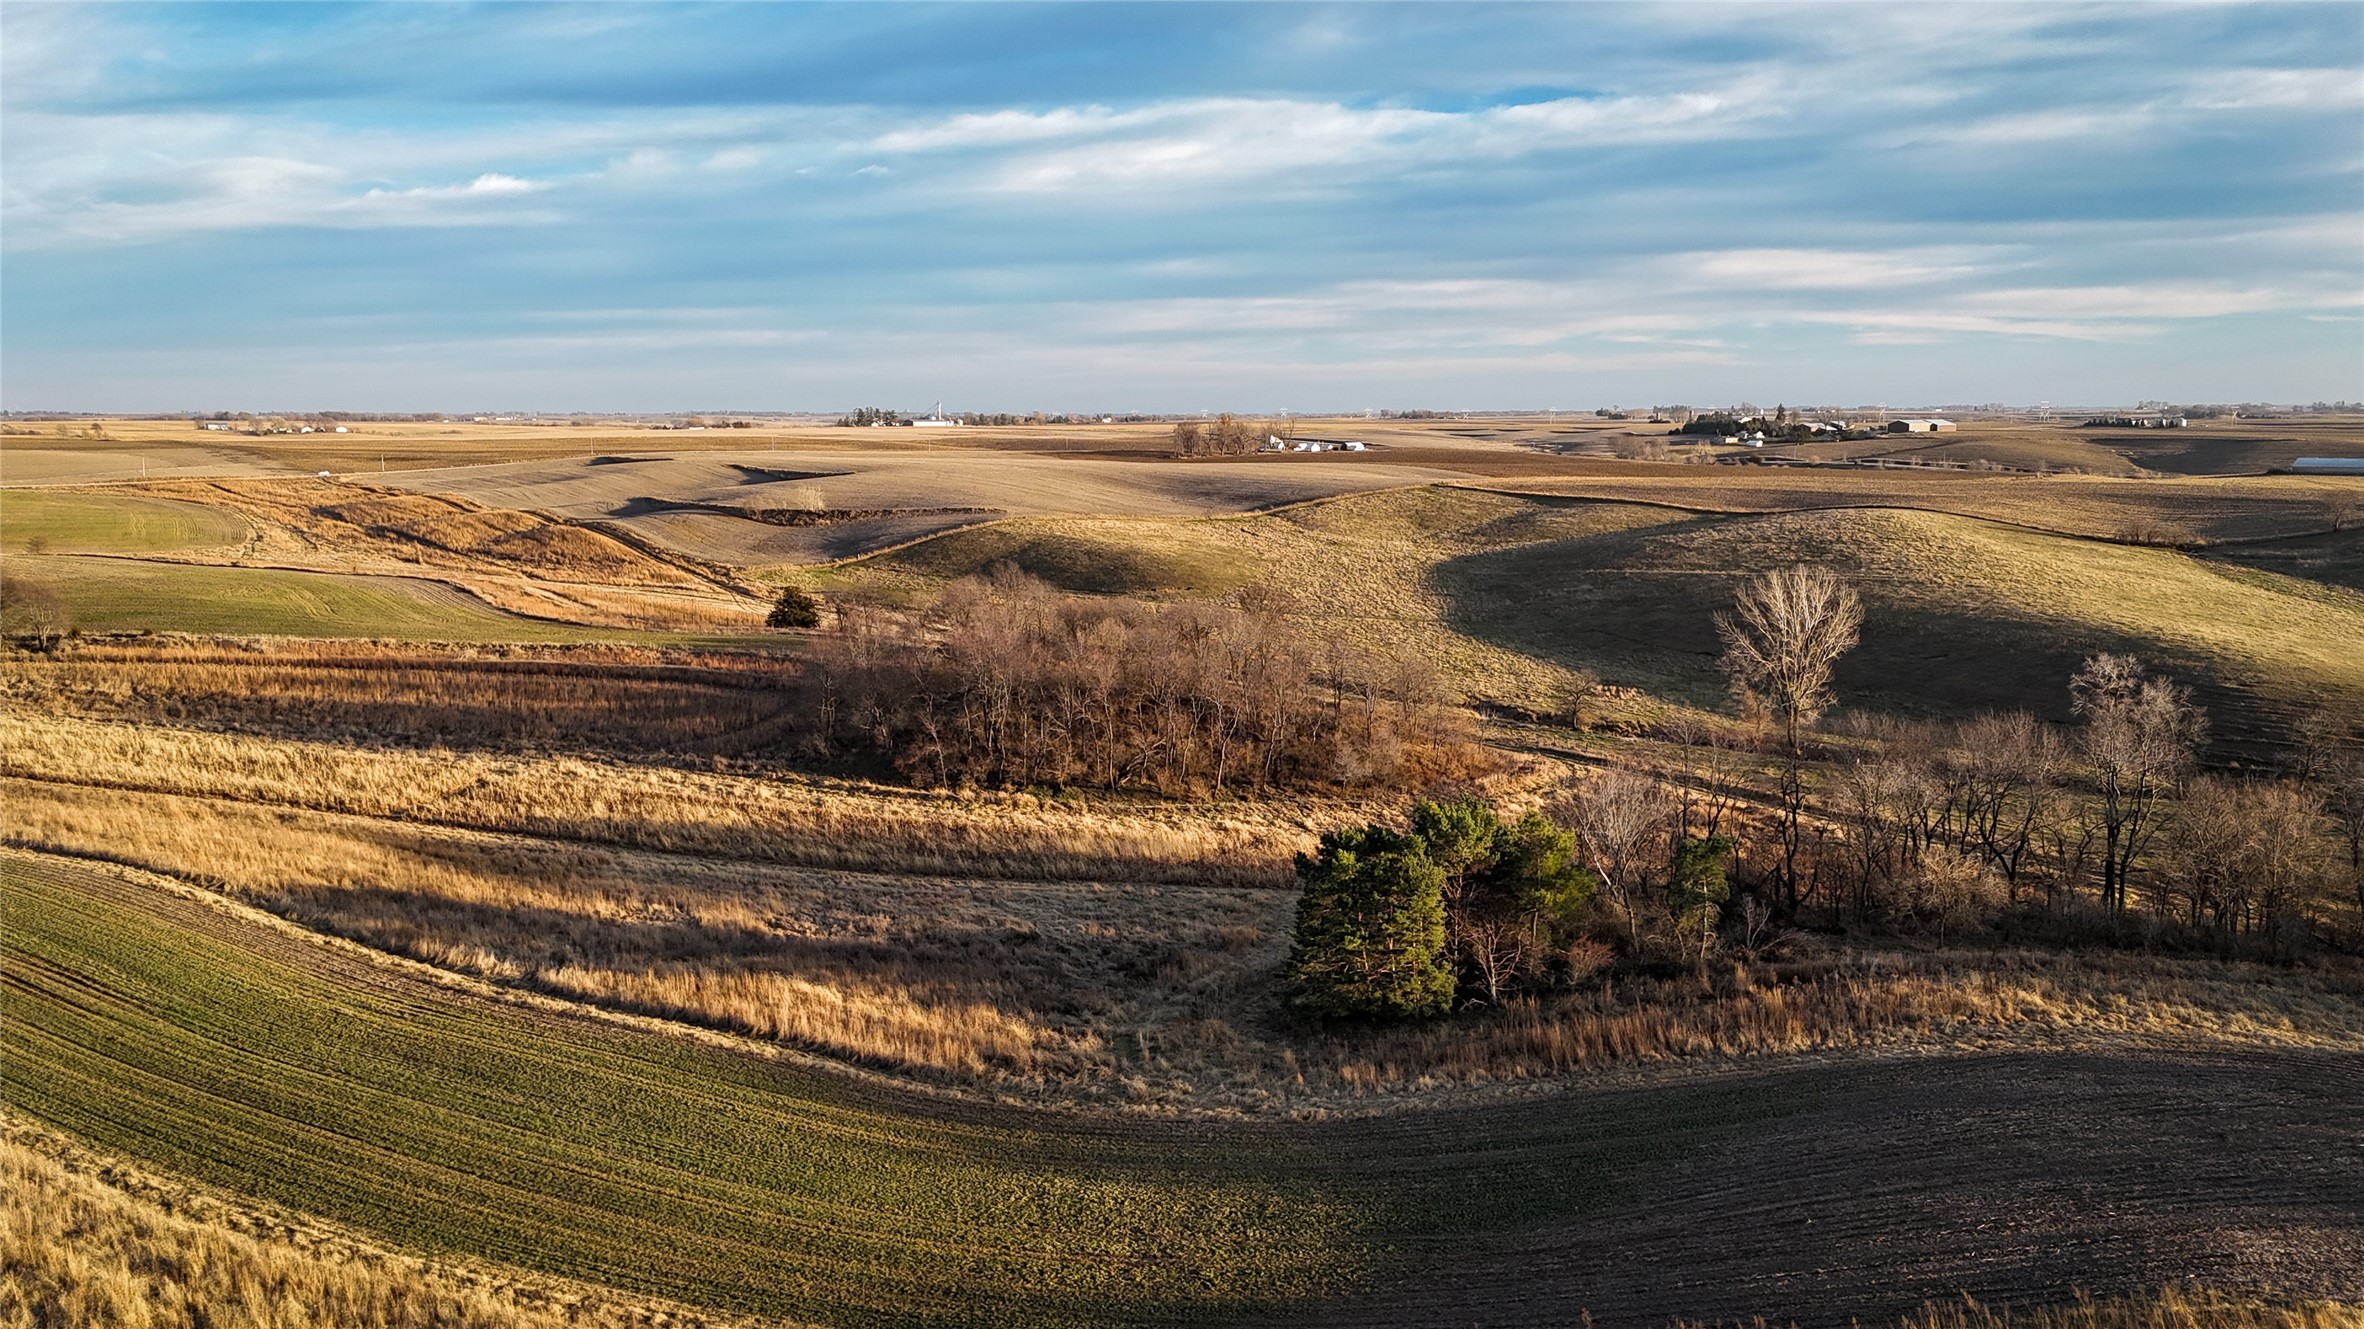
x=1155 y=207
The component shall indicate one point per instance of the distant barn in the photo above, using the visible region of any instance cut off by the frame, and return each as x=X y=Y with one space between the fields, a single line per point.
x=1931 y=426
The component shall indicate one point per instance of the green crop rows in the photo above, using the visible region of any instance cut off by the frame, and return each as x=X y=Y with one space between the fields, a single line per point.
x=211 y=1046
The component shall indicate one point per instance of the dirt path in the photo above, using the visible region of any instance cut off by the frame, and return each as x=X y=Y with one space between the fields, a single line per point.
x=1810 y=1190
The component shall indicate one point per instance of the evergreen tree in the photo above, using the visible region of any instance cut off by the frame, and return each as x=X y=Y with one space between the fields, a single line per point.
x=1370 y=929
x=796 y=608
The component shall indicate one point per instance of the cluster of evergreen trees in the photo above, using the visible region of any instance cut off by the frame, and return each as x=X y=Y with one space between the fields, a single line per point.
x=1460 y=906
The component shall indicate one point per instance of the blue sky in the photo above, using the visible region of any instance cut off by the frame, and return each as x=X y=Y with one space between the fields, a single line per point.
x=1177 y=207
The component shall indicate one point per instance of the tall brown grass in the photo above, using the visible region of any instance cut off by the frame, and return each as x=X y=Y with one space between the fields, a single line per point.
x=762 y=816
x=1104 y=991
x=584 y=699
x=2169 y=1308
x=93 y=1244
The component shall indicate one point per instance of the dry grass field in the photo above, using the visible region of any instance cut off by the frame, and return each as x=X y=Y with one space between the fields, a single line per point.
x=1508 y=594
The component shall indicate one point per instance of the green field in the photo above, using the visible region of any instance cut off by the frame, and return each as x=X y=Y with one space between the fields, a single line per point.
x=161 y=1028
x=127 y=595
x=66 y=523
x=655 y=1164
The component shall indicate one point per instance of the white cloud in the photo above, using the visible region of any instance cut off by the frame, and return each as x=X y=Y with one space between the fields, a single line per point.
x=2329 y=89
x=1830 y=269
x=1207 y=140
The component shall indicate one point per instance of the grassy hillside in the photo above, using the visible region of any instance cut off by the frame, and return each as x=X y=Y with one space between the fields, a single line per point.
x=1359 y=565
x=1090 y=557
x=163 y=1028
x=2335 y=559
x=1960 y=614
x=121 y=595
x=1507 y=593
x=68 y=523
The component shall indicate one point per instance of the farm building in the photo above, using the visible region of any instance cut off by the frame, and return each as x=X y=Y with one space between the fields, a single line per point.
x=1917 y=426
x=2328 y=466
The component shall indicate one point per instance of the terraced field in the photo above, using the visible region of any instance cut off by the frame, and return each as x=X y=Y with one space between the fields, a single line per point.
x=123 y=595
x=905 y=494
x=202 y=1039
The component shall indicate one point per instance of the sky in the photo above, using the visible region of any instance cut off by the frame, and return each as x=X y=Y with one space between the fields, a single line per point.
x=1149 y=207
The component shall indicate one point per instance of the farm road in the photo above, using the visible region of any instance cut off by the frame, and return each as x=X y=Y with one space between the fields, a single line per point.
x=206 y=1041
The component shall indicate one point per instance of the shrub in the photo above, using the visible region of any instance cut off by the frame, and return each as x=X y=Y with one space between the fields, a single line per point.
x=796 y=608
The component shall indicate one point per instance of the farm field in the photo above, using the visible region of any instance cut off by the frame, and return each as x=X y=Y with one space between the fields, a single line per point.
x=578 y=1145
x=2198 y=509
x=67 y=523
x=471 y=809
x=122 y=595
x=870 y=499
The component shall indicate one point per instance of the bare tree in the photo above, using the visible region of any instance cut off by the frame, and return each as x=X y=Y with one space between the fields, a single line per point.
x=1624 y=820
x=2141 y=735
x=1786 y=632
x=2329 y=761
x=1230 y=436
x=2246 y=856
x=34 y=612
x=1189 y=440
x=2008 y=767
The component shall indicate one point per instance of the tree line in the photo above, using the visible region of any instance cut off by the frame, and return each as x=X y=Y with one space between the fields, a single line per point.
x=1006 y=682
x=1933 y=828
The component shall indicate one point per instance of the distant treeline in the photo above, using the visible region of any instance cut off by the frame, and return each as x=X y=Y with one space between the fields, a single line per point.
x=1006 y=682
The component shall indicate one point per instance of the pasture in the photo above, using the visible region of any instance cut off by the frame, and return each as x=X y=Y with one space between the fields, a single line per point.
x=693 y=1169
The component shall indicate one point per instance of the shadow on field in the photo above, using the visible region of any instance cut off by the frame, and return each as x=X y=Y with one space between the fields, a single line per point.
x=1639 y=609
x=1864 y=1190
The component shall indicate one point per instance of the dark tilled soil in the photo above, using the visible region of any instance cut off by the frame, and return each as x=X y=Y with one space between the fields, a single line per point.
x=2013 y=1178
